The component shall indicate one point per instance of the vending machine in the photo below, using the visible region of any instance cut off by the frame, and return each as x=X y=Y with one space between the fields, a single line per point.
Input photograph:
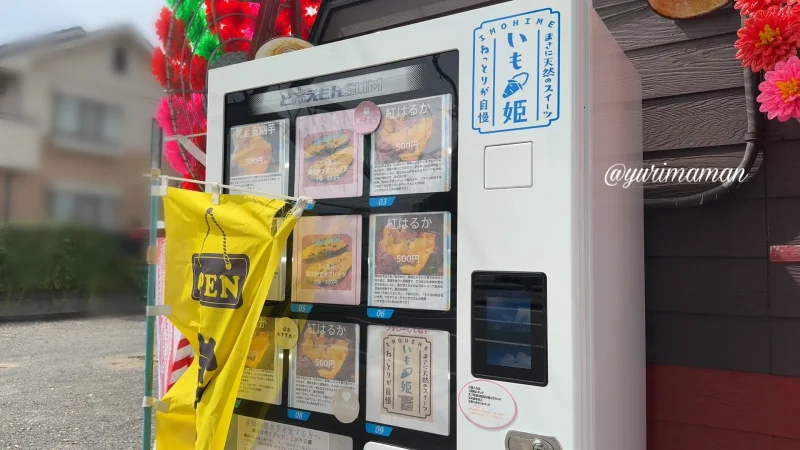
x=467 y=277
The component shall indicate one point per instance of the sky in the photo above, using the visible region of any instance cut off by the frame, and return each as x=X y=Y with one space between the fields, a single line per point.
x=24 y=18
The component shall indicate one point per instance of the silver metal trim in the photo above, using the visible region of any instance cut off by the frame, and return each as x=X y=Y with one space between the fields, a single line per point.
x=532 y=441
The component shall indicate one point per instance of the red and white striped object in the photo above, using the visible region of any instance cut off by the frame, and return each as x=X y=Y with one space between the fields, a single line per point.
x=174 y=351
x=182 y=359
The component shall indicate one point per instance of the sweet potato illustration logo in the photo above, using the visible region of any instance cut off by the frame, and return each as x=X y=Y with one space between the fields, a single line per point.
x=218 y=278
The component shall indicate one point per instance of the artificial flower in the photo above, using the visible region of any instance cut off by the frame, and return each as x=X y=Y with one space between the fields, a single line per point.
x=178 y=48
x=183 y=115
x=160 y=66
x=198 y=71
x=780 y=92
x=747 y=7
x=768 y=37
x=208 y=46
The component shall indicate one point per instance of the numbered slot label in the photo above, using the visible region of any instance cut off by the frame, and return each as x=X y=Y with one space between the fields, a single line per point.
x=296 y=414
x=379 y=430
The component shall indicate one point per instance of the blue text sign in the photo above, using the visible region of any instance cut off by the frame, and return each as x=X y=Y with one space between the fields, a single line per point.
x=516 y=72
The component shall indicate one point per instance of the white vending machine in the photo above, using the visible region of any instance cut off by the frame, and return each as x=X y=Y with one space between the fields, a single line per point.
x=466 y=278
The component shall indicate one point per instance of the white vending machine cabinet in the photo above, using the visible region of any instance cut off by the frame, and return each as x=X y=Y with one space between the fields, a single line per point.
x=467 y=279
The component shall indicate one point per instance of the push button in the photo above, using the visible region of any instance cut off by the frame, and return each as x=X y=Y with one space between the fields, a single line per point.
x=508 y=166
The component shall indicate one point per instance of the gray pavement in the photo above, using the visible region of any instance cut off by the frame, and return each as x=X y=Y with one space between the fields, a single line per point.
x=72 y=384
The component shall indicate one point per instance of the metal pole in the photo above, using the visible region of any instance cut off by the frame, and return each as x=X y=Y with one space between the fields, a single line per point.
x=155 y=164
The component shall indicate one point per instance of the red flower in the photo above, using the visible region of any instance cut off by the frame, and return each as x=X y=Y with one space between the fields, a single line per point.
x=768 y=37
x=748 y=7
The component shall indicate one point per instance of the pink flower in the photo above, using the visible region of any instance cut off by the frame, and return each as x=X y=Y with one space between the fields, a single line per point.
x=747 y=7
x=780 y=92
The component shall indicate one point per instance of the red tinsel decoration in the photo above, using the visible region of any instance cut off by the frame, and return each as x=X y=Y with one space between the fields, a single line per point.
x=283 y=23
x=177 y=72
x=183 y=115
x=178 y=47
x=159 y=66
x=198 y=75
x=179 y=55
x=162 y=24
x=179 y=76
x=308 y=11
x=235 y=22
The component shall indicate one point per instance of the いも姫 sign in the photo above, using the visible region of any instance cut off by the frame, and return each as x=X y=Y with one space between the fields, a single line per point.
x=516 y=72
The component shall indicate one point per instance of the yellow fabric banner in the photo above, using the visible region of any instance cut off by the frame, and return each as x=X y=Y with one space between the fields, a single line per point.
x=220 y=261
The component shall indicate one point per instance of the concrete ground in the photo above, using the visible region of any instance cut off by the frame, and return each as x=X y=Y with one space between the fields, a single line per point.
x=72 y=384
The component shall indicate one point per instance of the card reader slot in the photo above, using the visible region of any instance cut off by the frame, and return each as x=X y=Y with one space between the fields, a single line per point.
x=516 y=344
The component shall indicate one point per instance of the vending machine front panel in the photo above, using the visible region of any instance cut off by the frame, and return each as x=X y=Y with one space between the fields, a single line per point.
x=465 y=279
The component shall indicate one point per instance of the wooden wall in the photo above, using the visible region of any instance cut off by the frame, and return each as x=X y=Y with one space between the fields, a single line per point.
x=723 y=323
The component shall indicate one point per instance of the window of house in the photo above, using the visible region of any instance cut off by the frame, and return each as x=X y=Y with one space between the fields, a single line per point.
x=120 y=61
x=84 y=209
x=87 y=120
x=9 y=95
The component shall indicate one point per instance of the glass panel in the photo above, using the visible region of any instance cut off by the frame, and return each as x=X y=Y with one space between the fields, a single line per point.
x=108 y=213
x=112 y=121
x=86 y=211
x=63 y=207
x=68 y=116
x=373 y=262
x=92 y=121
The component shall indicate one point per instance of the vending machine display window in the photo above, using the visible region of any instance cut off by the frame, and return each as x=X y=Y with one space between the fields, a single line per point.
x=371 y=261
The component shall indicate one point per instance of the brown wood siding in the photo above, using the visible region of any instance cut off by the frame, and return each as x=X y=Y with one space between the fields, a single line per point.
x=672 y=69
x=723 y=323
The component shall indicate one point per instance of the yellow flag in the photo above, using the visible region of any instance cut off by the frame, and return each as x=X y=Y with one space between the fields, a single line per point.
x=220 y=260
